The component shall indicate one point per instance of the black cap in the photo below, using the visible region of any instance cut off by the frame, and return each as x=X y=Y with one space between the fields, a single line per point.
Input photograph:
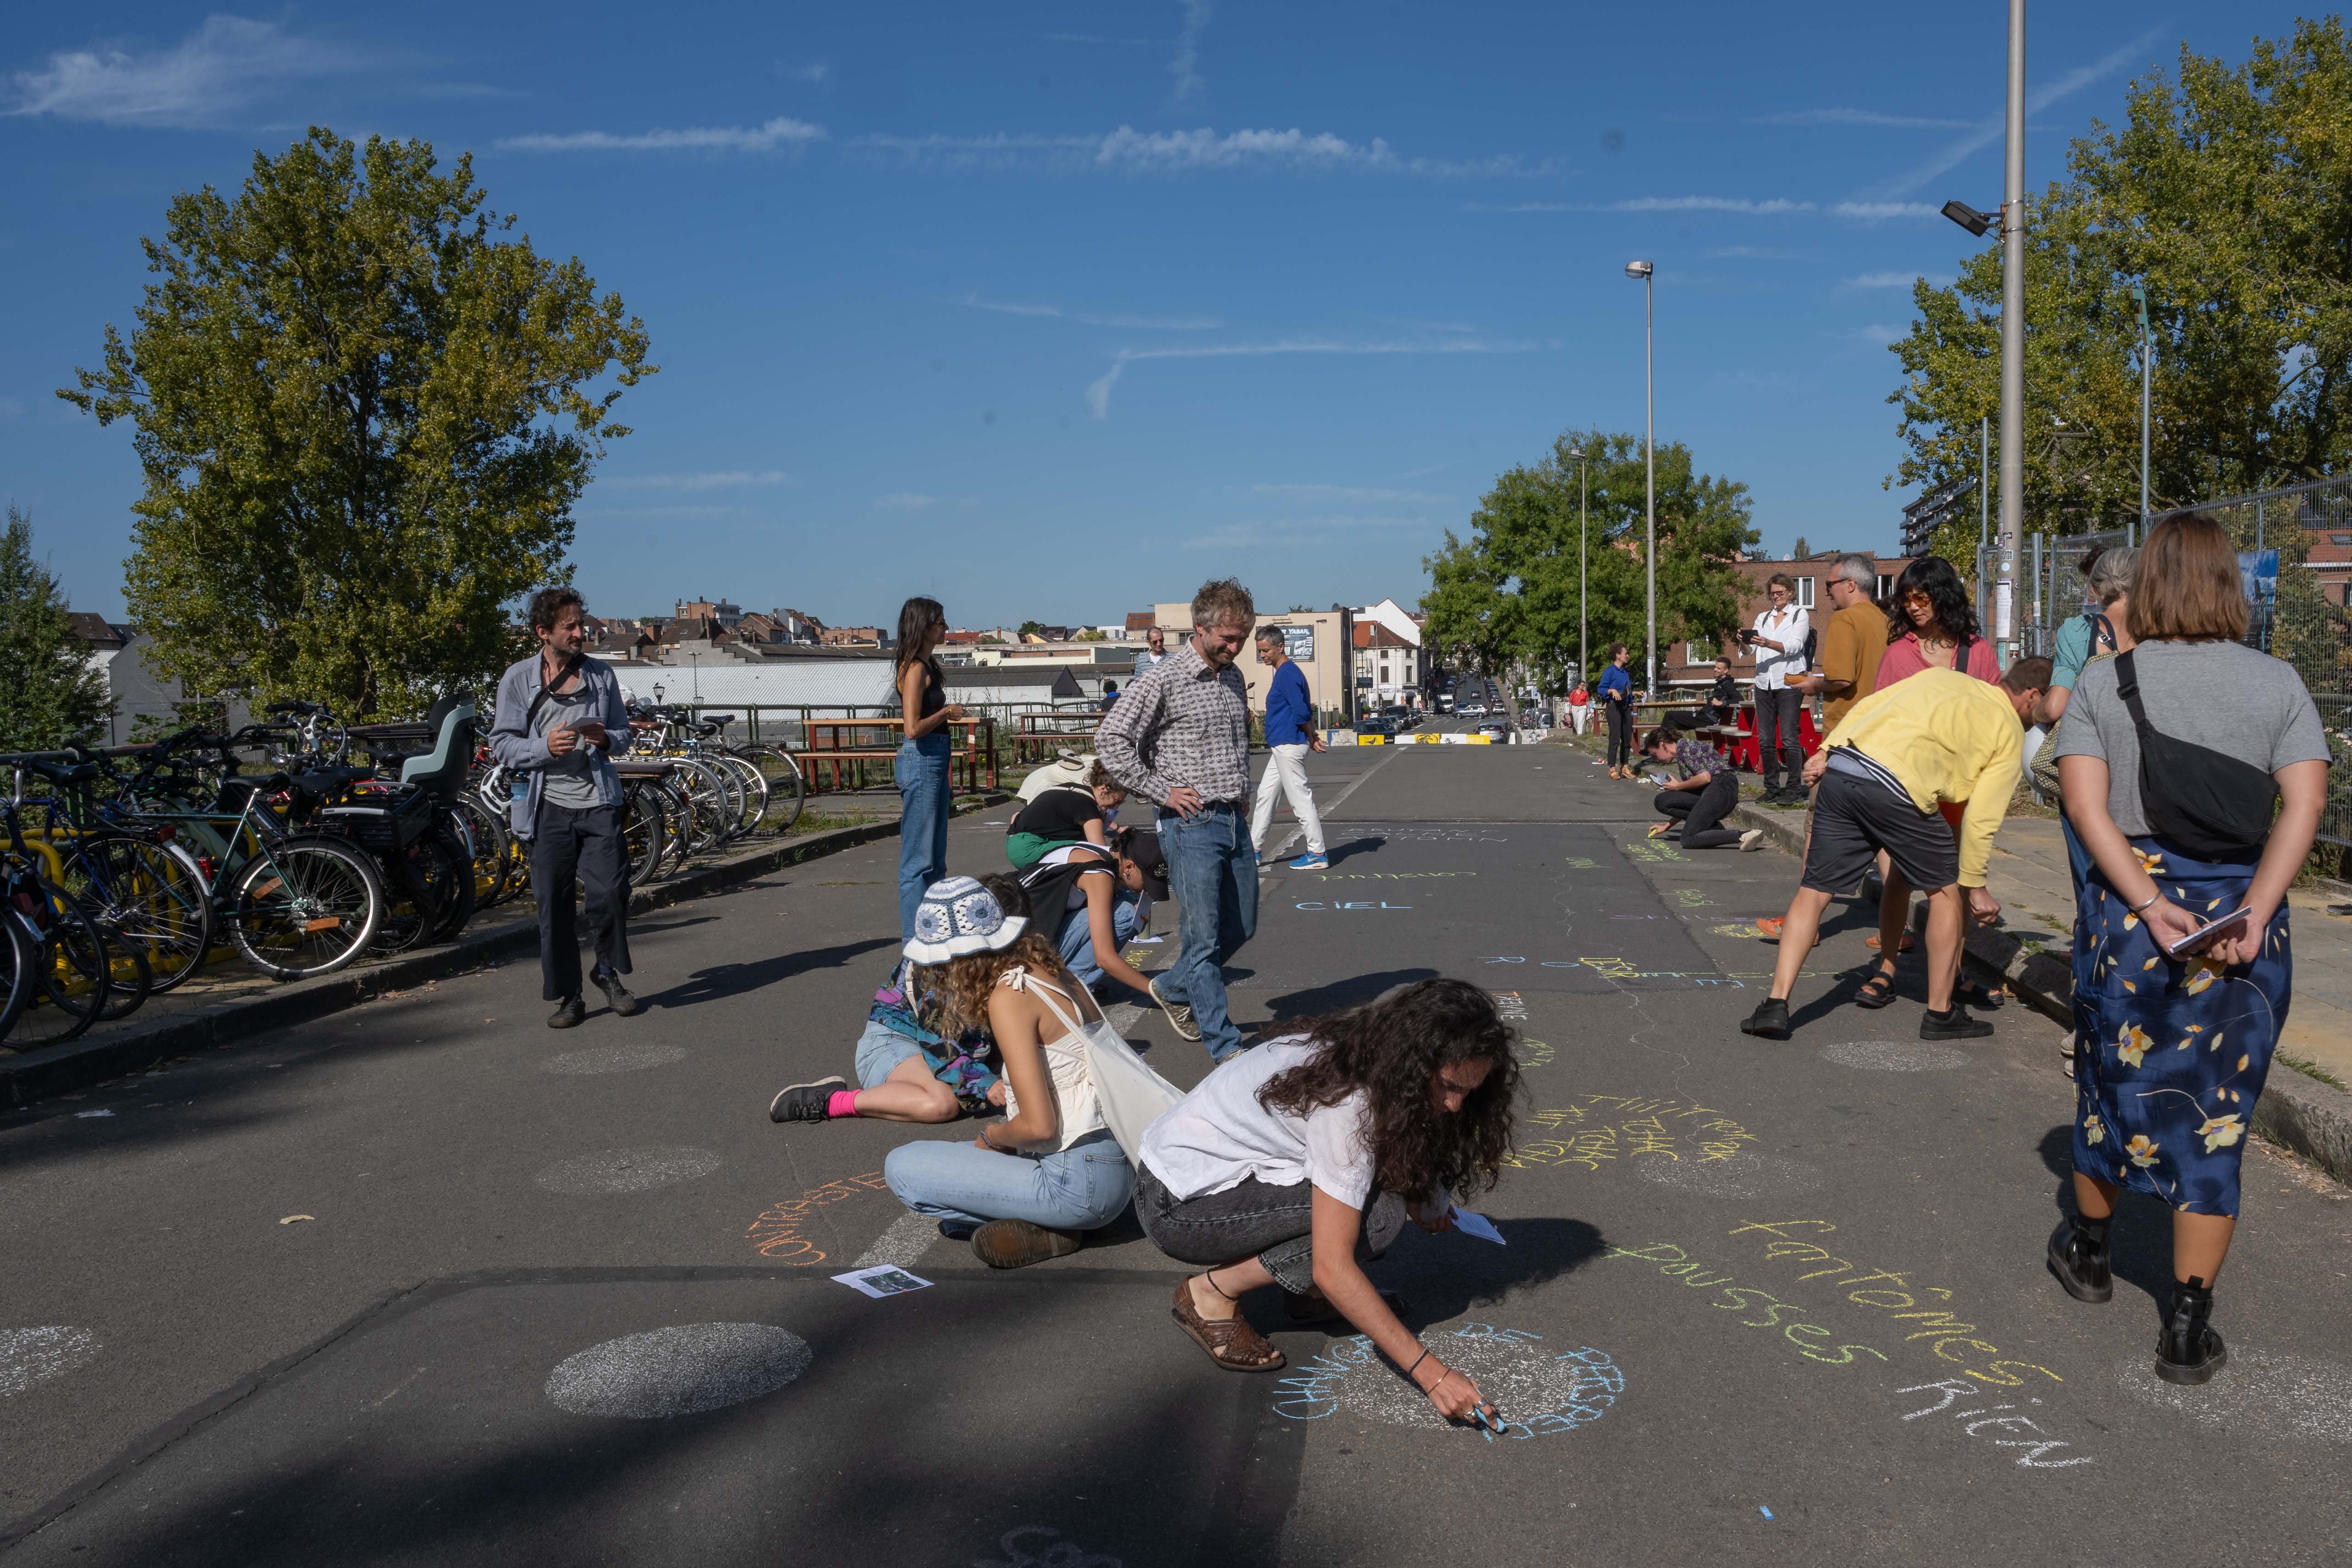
x=1142 y=847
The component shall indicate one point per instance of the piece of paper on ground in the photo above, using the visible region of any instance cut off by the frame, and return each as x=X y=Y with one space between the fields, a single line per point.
x=887 y=1279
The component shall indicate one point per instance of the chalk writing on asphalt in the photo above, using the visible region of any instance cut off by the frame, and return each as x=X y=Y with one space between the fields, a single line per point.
x=1922 y=1310
x=776 y=1234
x=1614 y=1126
x=1760 y=1309
x=1535 y=1053
x=1540 y=1392
x=1977 y=1417
x=1375 y=875
x=1368 y=903
x=1614 y=969
x=1512 y=1006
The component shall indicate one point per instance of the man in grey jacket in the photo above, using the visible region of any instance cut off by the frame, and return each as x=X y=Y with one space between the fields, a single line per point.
x=560 y=721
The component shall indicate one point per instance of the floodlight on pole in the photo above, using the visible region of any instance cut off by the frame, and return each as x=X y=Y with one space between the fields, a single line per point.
x=1968 y=217
x=1641 y=271
x=2012 y=338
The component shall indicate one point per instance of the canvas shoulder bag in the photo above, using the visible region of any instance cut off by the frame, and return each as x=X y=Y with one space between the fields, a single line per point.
x=2201 y=801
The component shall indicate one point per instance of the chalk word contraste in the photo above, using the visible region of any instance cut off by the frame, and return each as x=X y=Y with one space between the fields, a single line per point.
x=776 y=1234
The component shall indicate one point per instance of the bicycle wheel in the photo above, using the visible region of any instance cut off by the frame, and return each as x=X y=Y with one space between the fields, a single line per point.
x=152 y=897
x=489 y=838
x=754 y=784
x=460 y=894
x=677 y=826
x=308 y=906
x=17 y=981
x=71 y=965
x=708 y=797
x=128 y=974
x=645 y=835
x=787 y=789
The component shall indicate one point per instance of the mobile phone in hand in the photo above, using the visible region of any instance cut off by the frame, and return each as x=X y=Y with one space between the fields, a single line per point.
x=2230 y=925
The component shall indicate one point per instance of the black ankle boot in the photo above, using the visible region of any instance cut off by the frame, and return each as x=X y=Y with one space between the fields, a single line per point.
x=2078 y=1256
x=2189 y=1350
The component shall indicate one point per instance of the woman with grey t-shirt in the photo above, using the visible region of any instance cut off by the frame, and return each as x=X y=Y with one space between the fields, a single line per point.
x=2171 y=1048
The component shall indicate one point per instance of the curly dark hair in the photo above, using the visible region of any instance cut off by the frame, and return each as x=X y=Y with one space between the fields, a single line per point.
x=1392 y=1049
x=549 y=603
x=967 y=983
x=1948 y=598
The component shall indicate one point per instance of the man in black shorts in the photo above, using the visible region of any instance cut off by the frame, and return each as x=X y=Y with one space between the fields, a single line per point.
x=1898 y=756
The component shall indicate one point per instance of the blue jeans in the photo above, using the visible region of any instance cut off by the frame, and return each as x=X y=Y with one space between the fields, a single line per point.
x=921 y=770
x=1213 y=872
x=1078 y=938
x=1084 y=1187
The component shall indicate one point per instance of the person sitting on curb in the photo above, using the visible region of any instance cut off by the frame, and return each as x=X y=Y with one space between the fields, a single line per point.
x=1062 y=814
x=1093 y=898
x=1290 y=1167
x=1941 y=736
x=1030 y=1188
x=911 y=1065
x=1704 y=793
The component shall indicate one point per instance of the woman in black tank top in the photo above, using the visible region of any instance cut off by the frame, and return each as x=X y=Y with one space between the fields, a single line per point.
x=921 y=768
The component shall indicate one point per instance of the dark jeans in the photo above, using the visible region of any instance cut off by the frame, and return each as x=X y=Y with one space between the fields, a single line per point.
x=1702 y=812
x=1621 y=733
x=576 y=849
x=1213 y=872
x=1273 y=1224
x=1780 y=750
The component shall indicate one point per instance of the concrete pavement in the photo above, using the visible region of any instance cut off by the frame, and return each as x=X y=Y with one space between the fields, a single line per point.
x=566 y=1297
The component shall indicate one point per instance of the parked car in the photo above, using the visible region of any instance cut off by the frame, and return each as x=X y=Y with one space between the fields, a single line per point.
x=1471 y=710
x=1499 y=728
x=1373 y=724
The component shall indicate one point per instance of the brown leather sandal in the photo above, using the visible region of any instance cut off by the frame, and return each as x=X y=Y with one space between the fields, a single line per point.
x=1231 y=1344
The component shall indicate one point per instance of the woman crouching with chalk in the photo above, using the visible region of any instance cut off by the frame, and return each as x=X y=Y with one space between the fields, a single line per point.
x=1288 y=1165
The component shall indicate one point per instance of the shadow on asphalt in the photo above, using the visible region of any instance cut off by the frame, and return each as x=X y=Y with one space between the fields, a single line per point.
x=723 y=980
x=1348 y=993
x=1363 y=846
x=2140 y=1239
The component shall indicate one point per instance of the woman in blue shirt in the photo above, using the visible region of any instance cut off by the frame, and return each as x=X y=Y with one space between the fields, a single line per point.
x=1617 y=702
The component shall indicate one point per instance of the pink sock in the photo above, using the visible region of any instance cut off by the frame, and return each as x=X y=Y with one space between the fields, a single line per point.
x=844 y=1102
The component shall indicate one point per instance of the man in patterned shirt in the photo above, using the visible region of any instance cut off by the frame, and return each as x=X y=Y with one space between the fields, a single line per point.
x=1701 y=795
x=1179 y=738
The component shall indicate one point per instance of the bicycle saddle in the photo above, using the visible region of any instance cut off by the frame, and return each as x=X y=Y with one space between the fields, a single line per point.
x=713 y=720
x=60 y=772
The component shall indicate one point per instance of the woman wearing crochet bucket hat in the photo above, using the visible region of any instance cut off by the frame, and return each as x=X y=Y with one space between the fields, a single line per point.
x=1029 y=1188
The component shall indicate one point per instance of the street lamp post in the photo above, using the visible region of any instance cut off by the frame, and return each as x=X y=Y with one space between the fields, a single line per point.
x=2012 y=330
x=1643 y=270
x=2147 y=365
x=1583 y=527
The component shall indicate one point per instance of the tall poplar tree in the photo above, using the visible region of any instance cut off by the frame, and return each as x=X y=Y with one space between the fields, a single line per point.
x=49 y=692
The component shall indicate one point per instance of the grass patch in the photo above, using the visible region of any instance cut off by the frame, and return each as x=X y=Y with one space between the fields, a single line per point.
x=825 y=821
x=2311 y=1068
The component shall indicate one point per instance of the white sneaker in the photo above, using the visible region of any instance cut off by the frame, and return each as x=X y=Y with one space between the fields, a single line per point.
x=1180 y=1016
x=1751 y=838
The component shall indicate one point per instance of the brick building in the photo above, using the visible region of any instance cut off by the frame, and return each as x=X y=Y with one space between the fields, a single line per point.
x=1693 y=661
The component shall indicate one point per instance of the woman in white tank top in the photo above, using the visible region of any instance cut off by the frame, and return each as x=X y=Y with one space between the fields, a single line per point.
x=1028 y=1188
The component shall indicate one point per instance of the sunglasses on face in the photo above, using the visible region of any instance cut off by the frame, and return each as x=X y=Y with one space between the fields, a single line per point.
x=1920 y=598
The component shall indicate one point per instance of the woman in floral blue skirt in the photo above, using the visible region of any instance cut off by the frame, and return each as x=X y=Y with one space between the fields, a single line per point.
x=2170 y=1052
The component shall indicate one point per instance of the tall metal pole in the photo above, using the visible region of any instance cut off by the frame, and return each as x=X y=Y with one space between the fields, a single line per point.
x=2147 y=355
x=1650 y=451
x=2012 y=335
x=1984 y=510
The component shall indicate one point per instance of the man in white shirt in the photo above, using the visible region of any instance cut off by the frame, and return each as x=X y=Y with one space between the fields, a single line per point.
x=1155 y=642
x=1778 y=640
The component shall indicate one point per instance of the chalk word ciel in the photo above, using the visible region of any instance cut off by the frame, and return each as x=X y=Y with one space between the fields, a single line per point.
x=1615 y=1126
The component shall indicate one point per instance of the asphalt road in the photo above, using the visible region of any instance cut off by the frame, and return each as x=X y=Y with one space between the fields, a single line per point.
x=566 y=1298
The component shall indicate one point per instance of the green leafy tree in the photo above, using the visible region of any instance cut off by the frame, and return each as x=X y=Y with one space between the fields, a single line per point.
x=1031 y=629
x=49 y=692
x=2227 y=193
x=365 y=414
x=1507 y=594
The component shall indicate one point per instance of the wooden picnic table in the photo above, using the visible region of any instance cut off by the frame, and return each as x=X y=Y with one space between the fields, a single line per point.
x=836 y=744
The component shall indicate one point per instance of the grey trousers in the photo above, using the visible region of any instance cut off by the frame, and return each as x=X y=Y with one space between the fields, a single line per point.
x=1275 y=1224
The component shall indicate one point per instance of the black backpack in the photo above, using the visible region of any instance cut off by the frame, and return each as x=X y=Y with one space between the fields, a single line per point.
x=2203 y=802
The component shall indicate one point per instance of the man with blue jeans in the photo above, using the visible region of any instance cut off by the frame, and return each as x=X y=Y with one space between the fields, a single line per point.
x=1289 y=737
x=1179 y=738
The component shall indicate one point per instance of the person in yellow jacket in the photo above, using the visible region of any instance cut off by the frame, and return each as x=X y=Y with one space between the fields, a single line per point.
x=1883 y=773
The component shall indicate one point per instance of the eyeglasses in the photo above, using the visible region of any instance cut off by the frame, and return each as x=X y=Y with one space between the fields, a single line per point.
x=1916 y=597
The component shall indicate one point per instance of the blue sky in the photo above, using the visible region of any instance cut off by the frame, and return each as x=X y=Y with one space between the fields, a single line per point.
x=1056 y=309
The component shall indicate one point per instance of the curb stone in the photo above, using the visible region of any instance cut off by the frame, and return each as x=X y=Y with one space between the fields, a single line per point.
x=2296 y=1110
x=38 y=1074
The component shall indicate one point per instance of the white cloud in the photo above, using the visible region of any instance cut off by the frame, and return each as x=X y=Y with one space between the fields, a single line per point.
x=1131 y=152
x=216 y=70
x=816 y=73
x=1860 y=117
x=1093 y=319
x=2037 y=99
x=1889 y=280
x=1184 y=68
x=1874 y=211
x=780 y=131
x=1770 y=207
x=1317 y=531
x=906 y=501
x=1098 y=392
x=722 y=479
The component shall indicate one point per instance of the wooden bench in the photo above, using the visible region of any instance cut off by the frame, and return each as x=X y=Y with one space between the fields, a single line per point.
x=977 y=762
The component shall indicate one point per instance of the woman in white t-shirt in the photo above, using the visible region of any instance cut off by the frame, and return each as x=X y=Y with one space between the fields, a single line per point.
x=1294 y=1164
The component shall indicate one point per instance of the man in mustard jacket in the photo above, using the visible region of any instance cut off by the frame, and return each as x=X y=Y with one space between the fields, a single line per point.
x=1884 y=772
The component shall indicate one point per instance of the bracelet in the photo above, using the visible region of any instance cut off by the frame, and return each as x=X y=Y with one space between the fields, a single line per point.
x=1416 y=1363
x=2152 y=898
